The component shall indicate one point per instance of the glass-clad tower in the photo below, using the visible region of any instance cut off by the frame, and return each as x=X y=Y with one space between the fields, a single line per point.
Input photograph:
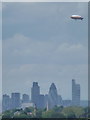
x=75 y=93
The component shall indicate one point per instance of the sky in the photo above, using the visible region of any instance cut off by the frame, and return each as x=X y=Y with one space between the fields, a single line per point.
x=41 y=43
x=45 y=0
x=0 y=55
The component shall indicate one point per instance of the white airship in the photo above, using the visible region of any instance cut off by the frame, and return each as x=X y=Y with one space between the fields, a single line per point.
x=77 y=17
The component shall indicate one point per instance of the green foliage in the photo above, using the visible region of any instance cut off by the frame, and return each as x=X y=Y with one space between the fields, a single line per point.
x=52 y=114
x=58 y=108
x=56 y=112
x=87 y=112
x=29 y=109
x=39 y=114
x=73 y=112
x=47 y=114
x=22 y=116
x=7 y=114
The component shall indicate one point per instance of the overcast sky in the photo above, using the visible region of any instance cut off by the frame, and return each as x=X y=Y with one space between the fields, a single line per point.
x=41 y=43
x=45 y=0
x=0 y=55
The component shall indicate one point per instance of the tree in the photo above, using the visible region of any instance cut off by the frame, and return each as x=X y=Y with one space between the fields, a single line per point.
x=22 y=116
x=58 y=108
x=7 y=114
x=68 y=112
x=73 y=112
x=39 y=114
x=52 y=114
x=29 y=109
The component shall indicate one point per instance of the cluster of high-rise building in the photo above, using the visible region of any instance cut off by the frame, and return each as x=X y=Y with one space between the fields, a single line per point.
x=14 y=101
x=39 y=100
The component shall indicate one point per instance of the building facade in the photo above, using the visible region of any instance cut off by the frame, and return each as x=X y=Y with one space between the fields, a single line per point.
x=75 y=93
x=52 y=96
x=35 y=93
x=15 y=100
x=25 y=98
x=6 y=103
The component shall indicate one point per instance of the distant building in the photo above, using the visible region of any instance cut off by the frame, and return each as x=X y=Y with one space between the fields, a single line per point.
x=47 y=107
x=84 y=103
x=60 y=101
x=15 y=100
x=67 y=103
x=26 y=105
x=35 y=93
x=53 y=96
x=45 y=100
x=41 y=103
x=25 y=98
x=75 y=93
x=6 y=102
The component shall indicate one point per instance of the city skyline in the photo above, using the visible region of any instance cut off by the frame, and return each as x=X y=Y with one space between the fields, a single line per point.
x=40 y=92
x=41 y=101
x=29 y=92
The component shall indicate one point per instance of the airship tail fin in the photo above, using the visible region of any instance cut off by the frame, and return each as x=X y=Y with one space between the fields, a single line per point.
x=81 y=18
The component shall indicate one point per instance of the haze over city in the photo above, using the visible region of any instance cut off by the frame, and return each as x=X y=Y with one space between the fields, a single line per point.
x=41 y=43
x=41 y=101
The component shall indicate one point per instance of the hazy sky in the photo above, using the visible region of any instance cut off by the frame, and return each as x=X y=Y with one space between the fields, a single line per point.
x=45 y=0
x=0 y=55
x=41 y=43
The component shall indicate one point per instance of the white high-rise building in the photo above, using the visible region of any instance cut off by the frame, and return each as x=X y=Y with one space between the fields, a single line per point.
x=75 y=93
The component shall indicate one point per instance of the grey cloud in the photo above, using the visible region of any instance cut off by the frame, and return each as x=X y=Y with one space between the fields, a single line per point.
x=27 y=50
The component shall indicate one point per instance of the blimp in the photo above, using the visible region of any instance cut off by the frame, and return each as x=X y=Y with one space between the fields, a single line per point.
x=77 y=17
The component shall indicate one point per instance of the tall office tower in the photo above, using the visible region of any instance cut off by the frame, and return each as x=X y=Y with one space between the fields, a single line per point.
x=78 y=94
x=15 y=99
x=25 y=98
x=35 y=92
x=67 y=103
x=6 y=103
x=41 y=103
x=45 y=100
x=75 y=93
x=60 y=102
x=53 y=96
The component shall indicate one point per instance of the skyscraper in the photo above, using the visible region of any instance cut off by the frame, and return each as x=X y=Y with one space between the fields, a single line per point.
x=75 y=93
x=53 y=96
x=41 y=103
x=6 y=102
x=25 y=98
x=15 y=100
x=60 y=102
x=45 y=100
x=35 y=92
